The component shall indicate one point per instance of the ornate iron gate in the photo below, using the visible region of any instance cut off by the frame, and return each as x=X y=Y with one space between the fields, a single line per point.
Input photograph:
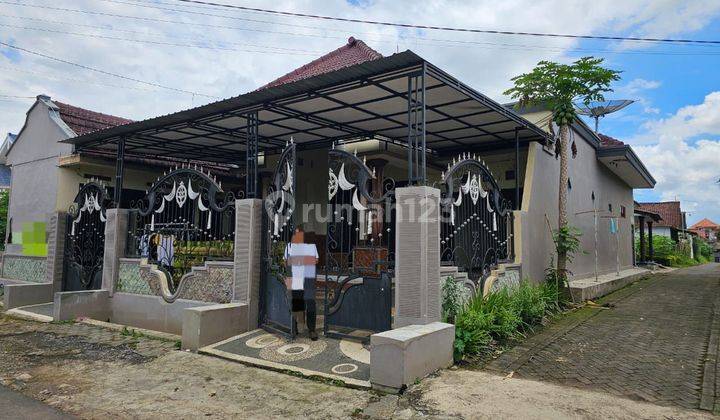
x=476 y=228
x=278 y=227
x=184 y=220
x=85 y=239
x=359 y=262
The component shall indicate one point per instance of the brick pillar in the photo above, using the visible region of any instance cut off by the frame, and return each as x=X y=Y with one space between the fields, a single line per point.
x=248 y=263
x=417 y=256
x=57 y=228
x=116 y=227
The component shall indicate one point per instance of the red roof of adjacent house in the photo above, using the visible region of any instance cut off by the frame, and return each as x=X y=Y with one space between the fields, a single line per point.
x=607 y=141
x=354 y=52
x=705 y=223
x=83 y=121
x=668 y=210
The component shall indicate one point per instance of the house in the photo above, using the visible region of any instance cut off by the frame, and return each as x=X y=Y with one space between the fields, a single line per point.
x=603 y=172
x=706 y=229
x=346 y=146
x=47 y=174
x=4 y=168
x=672 y=224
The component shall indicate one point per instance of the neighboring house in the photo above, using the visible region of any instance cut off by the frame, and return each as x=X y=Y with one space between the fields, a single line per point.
x=672 y=224
x=47 y=174
x=4 y=168
x=706 y=229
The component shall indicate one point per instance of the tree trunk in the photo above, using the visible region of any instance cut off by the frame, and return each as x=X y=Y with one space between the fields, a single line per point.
x=562 y=199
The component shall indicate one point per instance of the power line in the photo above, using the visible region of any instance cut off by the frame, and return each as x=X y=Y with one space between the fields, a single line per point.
x=70 y=79
x=178 y=22
x=17 y=97
x=61 y=22
x=107 y=73
x=438 y=42
x=452 y=29
x=147 y=41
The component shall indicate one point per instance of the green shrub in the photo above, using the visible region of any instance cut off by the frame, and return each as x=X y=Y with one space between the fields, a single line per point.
x=529 y=304
x=472 y=333
x=668 y=252
x=503 y=315
x=454 y=298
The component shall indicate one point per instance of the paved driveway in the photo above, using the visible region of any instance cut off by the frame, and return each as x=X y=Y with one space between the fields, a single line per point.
x=658 y=343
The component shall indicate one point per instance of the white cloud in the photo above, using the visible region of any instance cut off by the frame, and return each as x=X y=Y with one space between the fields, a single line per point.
x=484 y=61
x=684 y=156
x=635 y=90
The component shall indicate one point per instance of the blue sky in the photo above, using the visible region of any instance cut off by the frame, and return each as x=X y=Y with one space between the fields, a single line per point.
x=673 y=82
x=674 y=128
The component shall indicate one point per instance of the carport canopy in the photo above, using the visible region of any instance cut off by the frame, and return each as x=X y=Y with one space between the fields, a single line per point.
x=379 y=99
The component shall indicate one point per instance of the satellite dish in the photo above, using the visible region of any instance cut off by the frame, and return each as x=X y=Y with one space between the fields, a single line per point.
x=602 y=108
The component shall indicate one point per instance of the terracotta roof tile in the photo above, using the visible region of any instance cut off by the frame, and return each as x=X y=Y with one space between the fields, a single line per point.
x=354 y=52
x=83 y=121
x=705 y=223
x=607 y=141
x=668 y=210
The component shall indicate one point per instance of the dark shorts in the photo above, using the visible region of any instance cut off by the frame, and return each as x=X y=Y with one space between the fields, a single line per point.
x=300 y=296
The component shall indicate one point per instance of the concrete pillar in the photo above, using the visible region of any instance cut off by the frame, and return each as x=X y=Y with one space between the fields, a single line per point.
x=57 y=229
x=116 y=227
x=642 y=238
x=651 y=250
x=417 y=256
x=248 y=263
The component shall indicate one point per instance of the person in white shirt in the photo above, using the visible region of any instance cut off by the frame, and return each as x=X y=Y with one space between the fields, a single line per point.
x=302 y=258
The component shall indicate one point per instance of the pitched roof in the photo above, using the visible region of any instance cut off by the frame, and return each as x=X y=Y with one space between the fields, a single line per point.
x=668 y=210
x=83 y=121
x=705 y=223
x=354 y=52
x=607 y=141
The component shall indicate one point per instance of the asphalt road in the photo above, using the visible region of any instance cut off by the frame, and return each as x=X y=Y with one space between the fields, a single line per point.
x=16 y=406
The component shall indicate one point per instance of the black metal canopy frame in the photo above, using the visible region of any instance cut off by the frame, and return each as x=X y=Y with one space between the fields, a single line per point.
x=402 y=99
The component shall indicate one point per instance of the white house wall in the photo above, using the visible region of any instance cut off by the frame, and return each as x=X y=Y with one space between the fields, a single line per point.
x=34 y=160
x=540 y=208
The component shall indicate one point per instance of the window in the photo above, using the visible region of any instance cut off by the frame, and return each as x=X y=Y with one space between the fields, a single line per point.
x=622 y=211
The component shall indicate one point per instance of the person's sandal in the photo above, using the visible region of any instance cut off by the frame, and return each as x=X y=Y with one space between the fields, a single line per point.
x=313 y=335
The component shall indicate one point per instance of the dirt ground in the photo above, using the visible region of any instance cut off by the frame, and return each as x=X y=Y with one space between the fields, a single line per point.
x=94 y=373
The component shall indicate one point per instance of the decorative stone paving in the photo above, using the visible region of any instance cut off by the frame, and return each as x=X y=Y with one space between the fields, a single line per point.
x=658 y=342
x=344 y=360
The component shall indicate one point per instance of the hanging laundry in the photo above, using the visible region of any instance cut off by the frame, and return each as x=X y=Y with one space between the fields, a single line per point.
x=144 y=246
x=165 y=250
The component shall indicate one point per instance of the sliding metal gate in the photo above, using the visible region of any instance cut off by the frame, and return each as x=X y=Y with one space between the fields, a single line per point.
x=85 y=239
x=278 y=227
x=359 y=261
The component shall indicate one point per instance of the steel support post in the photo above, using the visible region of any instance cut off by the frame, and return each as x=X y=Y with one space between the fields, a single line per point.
x=423 y=149
x=251 y=156
x=119 y=172
x=417 y=149
x=517 y=168
x=410 y=138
